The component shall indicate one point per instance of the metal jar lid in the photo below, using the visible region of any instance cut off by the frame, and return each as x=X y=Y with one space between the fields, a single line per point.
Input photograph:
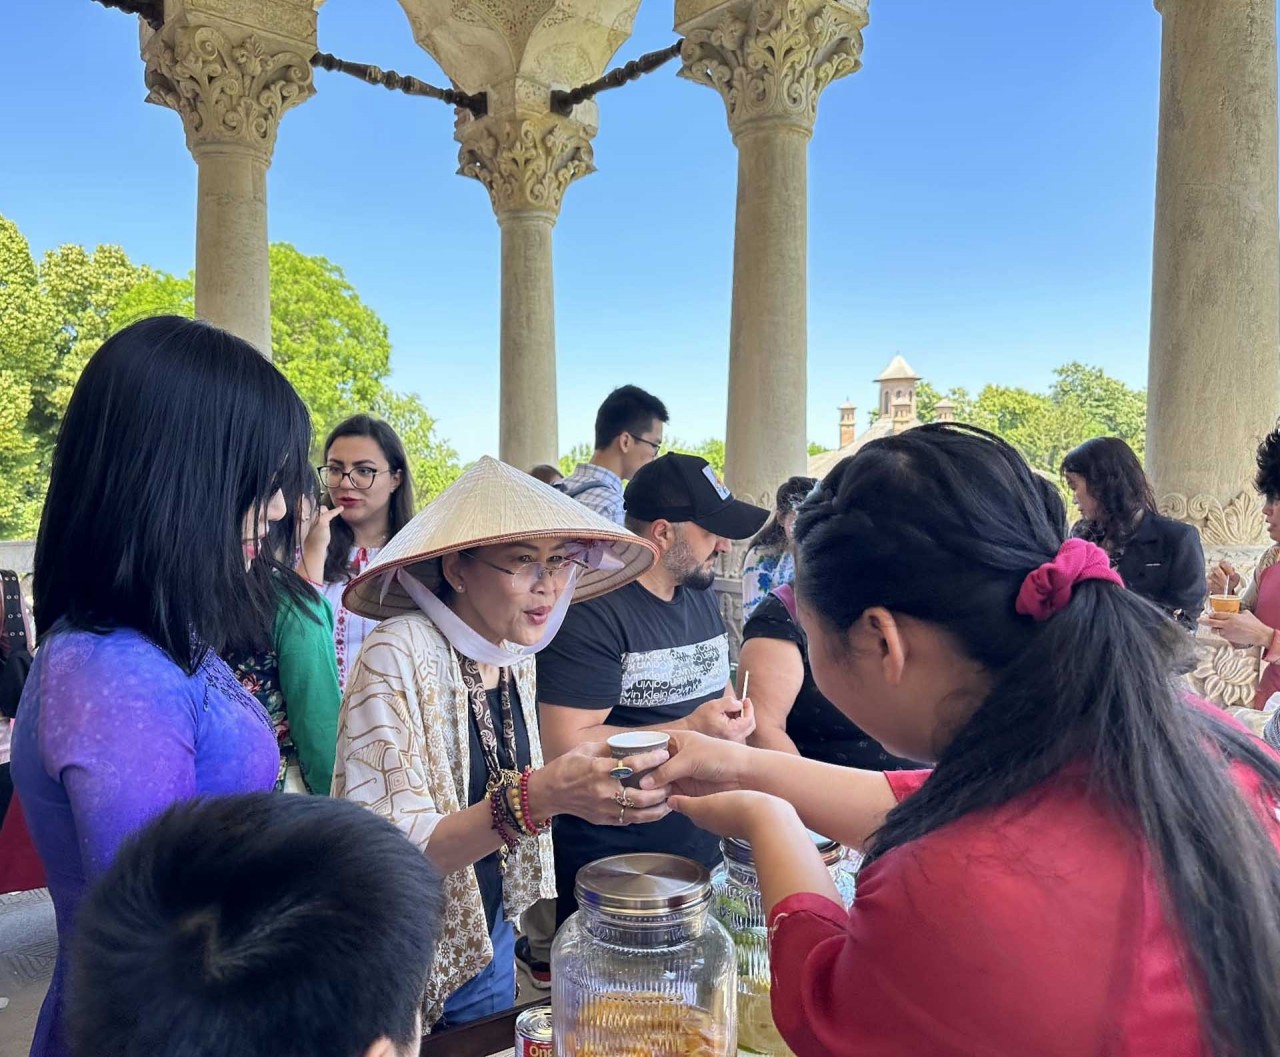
x=738 y=851
x=643 y=885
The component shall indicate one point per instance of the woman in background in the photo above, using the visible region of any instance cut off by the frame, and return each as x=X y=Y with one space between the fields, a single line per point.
x=791 y=713
x=768 y=562
x=369 y=498
x=1157 y=557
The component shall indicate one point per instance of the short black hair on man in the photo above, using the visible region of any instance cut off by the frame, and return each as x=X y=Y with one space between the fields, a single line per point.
x=262 y=925
x=628 y=409
x=1267 y=480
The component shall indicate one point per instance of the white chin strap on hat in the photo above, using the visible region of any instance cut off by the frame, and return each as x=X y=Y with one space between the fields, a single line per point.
x=469 y=642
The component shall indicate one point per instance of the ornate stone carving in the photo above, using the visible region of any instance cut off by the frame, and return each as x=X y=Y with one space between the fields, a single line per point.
x=771 y=59
x=1234 y=530
x=226 y=91
x=490 y=45
x=285 y=18
x=1226 y=676
x=524 y=162
x=1238 y=523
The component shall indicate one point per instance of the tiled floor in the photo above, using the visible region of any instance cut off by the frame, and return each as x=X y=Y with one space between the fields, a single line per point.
x=28 y=946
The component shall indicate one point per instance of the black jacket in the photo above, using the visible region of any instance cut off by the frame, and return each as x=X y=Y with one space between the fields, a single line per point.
x=1164 y=563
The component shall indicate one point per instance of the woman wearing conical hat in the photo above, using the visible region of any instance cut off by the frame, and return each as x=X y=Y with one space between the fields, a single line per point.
x=439 y=729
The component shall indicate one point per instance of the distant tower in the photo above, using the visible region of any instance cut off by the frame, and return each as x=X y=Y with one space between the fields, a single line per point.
x=944 y=410
x=848 y=424
x=903 y=414
x=898 y=386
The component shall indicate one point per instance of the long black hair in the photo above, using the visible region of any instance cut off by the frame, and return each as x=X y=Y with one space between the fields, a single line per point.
x=337 y=567
x=175 y=431
x=791 y=493
x=1117 y=484
x=1096 y=682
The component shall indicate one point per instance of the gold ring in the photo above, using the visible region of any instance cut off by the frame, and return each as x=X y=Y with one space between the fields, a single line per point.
x=622 y=815
x=622 y=800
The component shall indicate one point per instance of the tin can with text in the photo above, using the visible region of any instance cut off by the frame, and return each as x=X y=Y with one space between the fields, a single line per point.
x=533 y=1033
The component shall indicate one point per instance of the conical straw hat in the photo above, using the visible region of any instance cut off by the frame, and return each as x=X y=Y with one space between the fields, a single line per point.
x=491 y=503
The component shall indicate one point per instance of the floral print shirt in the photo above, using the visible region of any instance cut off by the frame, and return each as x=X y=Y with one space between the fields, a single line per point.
x=762 y=572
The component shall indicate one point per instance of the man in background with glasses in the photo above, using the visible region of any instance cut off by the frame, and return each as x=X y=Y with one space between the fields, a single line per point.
x=628 y=436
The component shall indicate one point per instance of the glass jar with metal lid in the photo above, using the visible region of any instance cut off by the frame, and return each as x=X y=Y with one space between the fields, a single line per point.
x=738 y=907
x=643 y=969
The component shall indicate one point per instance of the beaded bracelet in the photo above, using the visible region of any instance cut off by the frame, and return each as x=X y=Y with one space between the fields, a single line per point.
x=535 y=827
x=497 y=797
x=518 y=803
x=508 y=784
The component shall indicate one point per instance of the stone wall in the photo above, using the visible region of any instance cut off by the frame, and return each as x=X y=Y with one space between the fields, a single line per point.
x=20 y=556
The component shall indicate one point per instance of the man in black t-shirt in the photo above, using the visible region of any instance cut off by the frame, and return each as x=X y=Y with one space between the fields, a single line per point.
x=653 y=654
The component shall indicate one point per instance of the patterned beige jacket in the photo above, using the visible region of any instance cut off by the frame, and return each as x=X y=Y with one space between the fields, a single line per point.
x=403 y=751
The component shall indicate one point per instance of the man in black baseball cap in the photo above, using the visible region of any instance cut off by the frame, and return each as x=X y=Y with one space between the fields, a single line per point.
x=684 y=488
x=653 y=654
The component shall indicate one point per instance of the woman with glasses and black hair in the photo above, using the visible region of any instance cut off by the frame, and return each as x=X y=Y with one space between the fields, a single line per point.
x=368 y=498
x=1157 y=557
x=439 y=724
x=168 y=470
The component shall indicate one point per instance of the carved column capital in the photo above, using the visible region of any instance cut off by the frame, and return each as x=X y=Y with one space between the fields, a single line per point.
x=229 y=88
x=525 y=162
x=771 y=59
x=1234 y=524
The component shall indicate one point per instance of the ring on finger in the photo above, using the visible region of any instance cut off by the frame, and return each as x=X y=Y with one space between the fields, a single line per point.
x=622 y=799
x=622 y=815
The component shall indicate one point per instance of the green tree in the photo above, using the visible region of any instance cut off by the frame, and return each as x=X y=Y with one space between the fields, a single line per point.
x=326 y=341
x=81 y=289
x=1118 y=410
x=927 y=398
x=19 y=462
x=333 y=348
x=578 y=453
x=433 y=463
x=331 y=345
x=158 y=294
x=1083 y=402
x=817 y=449
x=711 y=449
x=26 y=355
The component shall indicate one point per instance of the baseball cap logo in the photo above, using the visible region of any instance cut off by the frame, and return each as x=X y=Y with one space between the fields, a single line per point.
x=710 y=475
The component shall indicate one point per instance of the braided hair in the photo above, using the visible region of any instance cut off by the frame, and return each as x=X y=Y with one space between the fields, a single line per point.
x=943 y=523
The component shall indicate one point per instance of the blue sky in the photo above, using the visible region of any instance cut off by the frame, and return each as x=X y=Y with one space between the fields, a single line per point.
x=981 y=198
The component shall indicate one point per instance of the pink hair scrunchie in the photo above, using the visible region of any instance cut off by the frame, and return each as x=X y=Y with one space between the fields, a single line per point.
x=1047 y=590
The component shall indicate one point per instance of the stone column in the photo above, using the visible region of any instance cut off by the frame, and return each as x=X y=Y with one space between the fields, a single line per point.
x=526 y=162
x=770 y=60
x=1214 y=384
x=231 y=70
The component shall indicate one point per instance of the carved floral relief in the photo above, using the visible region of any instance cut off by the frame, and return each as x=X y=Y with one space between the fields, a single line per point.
x=524 y=162
x=225 y=90
x=773 y=58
